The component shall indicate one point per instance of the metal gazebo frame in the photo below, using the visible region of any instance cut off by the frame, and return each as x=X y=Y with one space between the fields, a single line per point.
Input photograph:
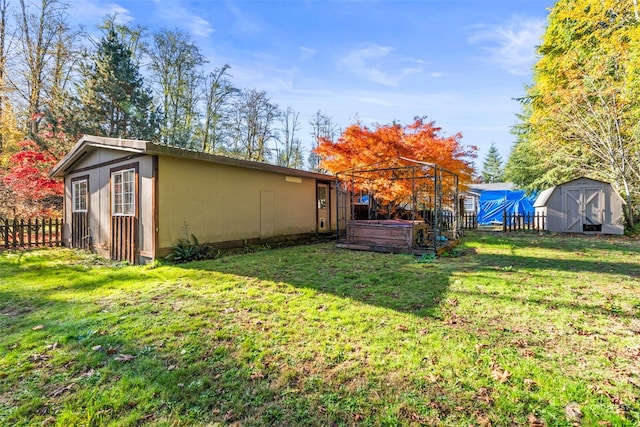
x=428 y=214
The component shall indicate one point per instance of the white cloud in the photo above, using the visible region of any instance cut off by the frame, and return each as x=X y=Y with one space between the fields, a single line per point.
x=93 y=13
x=375 y=63
x=307 y=52
x=512 y=46
x=244 y=23
x=181 y=17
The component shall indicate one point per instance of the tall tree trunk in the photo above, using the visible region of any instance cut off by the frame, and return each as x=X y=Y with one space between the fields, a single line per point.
x=3 y=61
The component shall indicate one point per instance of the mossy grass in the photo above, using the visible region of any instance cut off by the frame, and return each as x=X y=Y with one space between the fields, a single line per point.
x=508 y=330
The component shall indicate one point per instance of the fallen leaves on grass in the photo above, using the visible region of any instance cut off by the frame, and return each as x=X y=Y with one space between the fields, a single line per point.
x=39 y=357
x=256 y=375
x=573 y=413
x=52 y=346
x=534 y=421
x=62 y=390
x=454 y=319
x=37 y=328
x=124 y=358
x=484 y=395
x=483 y=420
x=499 y=374
x=88 y=374
x=48 y=421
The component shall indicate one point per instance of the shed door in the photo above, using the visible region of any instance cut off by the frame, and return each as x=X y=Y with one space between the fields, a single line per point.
x=80 y=231
x=593 y=206
x=573 y=208
x=584 y=209
x=124 y=214
x=322 y=196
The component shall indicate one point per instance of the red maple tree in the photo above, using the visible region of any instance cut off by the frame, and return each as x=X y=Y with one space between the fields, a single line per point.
x=28 y=190
x=385 y=147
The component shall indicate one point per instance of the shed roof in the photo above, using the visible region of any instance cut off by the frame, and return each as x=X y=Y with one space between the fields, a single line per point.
x=89 y=143
x=542 y=198
x=493 y=186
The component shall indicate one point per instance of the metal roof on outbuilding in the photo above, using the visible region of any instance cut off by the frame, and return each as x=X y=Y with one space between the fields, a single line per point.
x=90 y=143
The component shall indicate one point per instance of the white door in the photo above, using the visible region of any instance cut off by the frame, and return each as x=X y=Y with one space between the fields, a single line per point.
x=322 y=196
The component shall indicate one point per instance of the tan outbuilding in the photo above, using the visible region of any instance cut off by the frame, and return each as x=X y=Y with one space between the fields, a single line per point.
x=132 y=200
x=583 y=205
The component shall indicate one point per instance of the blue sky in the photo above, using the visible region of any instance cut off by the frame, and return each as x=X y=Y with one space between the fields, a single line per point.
x=459 y=62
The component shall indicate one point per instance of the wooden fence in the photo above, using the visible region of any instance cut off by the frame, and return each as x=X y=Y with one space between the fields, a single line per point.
x=510 y=222
x=519 y=222
x=30 y=233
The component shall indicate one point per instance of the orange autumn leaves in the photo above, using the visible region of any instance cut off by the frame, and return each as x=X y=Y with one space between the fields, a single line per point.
x=385 y=146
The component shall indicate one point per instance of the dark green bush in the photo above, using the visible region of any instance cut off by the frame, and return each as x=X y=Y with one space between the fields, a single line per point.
x=190 y=249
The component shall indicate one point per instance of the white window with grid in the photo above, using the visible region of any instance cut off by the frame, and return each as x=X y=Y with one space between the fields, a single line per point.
x=79 y=190
x=123 y=190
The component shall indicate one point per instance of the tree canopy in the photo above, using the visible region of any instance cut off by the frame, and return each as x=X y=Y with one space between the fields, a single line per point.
x=114 y=99
x=581 y=114
x=387 y=145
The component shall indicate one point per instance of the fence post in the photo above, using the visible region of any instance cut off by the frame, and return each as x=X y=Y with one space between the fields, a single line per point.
x=13 y=233
x=50 y=231
x=29 y=232
x=504 y=221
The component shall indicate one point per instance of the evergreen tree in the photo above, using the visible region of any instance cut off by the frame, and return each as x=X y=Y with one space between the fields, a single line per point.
x=114 y=101
x=492 y=170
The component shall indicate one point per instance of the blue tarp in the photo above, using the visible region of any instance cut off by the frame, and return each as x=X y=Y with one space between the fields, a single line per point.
x=494 y=202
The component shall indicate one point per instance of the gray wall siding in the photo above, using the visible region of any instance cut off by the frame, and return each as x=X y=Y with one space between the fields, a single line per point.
x=100 y=200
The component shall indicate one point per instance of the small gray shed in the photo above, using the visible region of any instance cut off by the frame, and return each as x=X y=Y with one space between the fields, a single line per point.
x=583 y=205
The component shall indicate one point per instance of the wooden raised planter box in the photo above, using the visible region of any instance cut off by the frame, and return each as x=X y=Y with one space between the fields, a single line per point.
x=393 y=235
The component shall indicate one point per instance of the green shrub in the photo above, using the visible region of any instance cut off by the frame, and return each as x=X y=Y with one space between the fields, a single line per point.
x=190 y=249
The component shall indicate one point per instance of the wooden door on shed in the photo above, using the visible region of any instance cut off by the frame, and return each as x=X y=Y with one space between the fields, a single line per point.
x=80 y=231
x=593 y=209
x=124 y=213
x=573 y=210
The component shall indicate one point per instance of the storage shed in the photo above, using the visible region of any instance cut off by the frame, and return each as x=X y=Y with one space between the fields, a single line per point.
x=583 y=205
x=130 y=200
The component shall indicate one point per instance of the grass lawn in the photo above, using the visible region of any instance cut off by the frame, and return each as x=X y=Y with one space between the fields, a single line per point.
x=527 y=330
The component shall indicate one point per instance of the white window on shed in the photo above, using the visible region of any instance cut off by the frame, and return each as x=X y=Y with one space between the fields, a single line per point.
x=79 y=194
x=123 y=193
